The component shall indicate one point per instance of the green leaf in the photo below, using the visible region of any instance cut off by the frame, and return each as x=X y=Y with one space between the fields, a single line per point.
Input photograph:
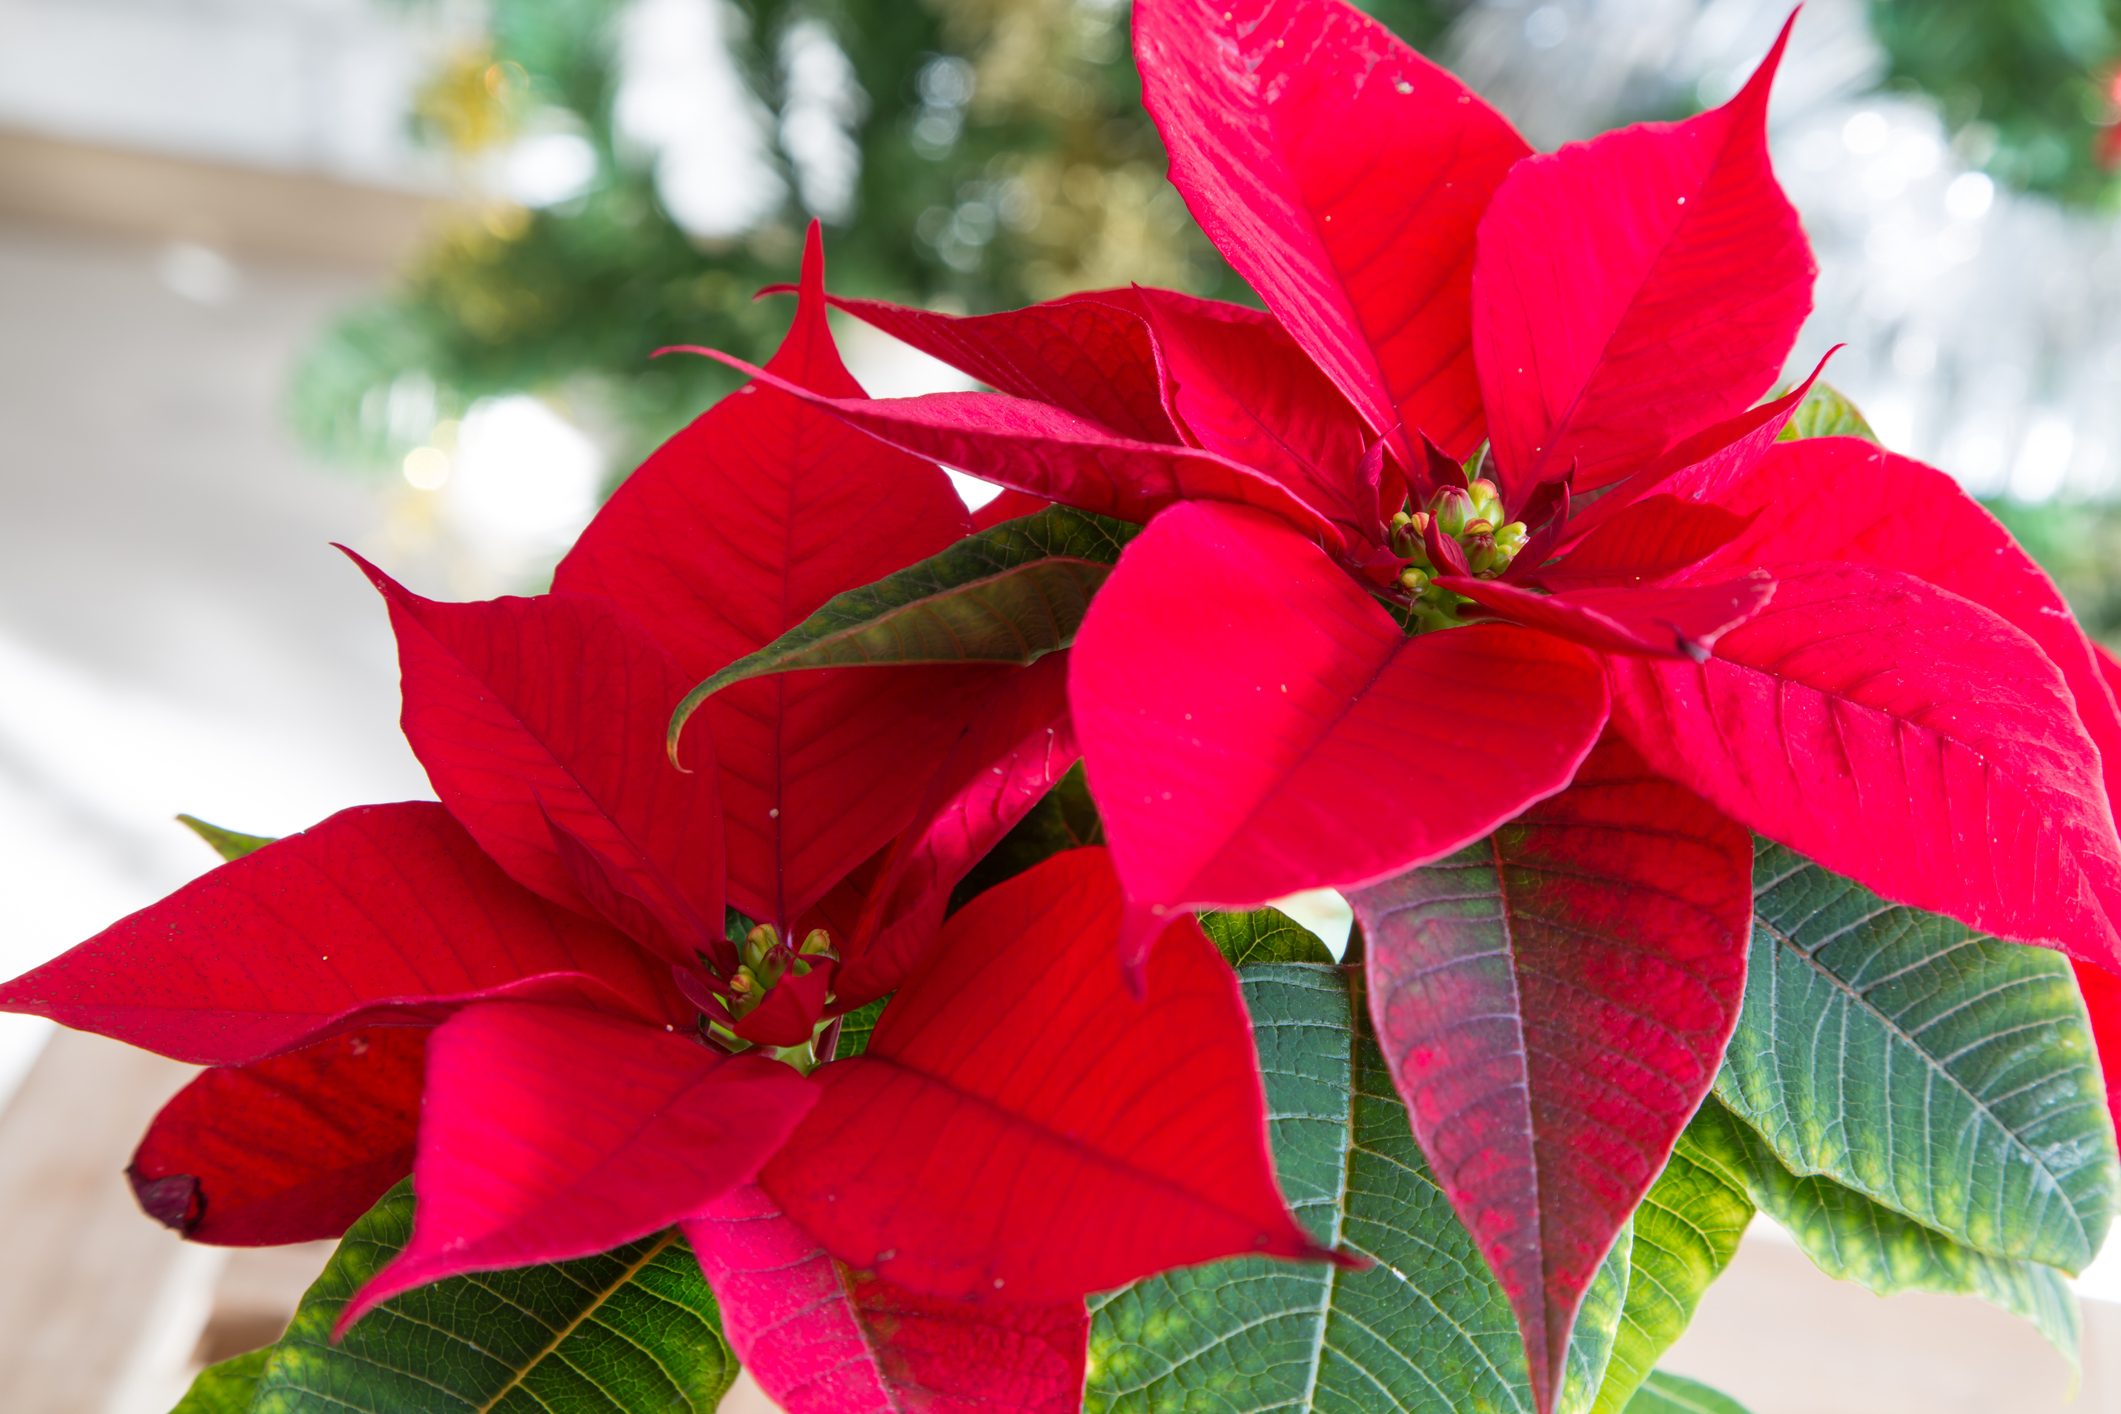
x=856 y=1027
x=631 y=1331
x=1263 y=935
x=1943 y=1073
x=231 y=845
x=1010 y=594
x=1676 y=1394
x=1851 y=1238
x=1425 y=1328
x=1686 y=1231
x=1826 y=412
x=226 y=1388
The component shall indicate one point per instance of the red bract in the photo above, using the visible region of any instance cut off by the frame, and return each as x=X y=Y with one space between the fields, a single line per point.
x=1913 y=709
x=526 y=994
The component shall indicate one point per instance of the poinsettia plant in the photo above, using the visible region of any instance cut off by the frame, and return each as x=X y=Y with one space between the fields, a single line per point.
x=845 y=943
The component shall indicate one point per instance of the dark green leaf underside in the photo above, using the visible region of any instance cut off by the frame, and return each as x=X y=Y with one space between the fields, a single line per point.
x=1943 y=1073
x=1010 y=594
x=631 y=1331
x=1425 y=1329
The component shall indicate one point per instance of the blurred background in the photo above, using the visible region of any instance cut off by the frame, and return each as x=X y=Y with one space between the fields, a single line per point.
x=275 y=273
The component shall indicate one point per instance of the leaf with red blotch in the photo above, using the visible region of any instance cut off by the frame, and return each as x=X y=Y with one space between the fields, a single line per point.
x=1050 y=1102
x=734 y=532
x=1018 y=746
x=1631 y=289
x=1088 y=354
x=1901 y=736
x=540 y=722
x=1553 y=1003
x=550 y=1132
x=1661 y=621
x=288 y=1149
x=1047 y=451
x=822 y=1338
x=1253 y=723
x=1342 y=175
x=1242 y=387
x=379 y=909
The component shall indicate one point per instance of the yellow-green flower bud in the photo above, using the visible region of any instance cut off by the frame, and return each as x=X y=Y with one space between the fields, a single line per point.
x=1413 y=580
x=1452 y=507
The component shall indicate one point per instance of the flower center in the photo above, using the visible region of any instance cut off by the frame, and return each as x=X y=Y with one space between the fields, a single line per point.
x=765 y=960
x=1470 y=517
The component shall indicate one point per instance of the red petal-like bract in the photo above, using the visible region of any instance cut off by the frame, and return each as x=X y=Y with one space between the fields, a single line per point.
x=1036 y=447
x=1634 y=288
x=1070 y=1138
x=1017 y=748
x=379 y=909
x=548 y=1133
x=735 y=531
x=1342 y=175
x=288 y=1149
x=1652 y=539
x=821 y=1338
x=1660 y=621
x=1241 y=387
x=1086 y=354
x=1253 y=723
x=1553 y=1003
x=1900 y=735
x=541 y=722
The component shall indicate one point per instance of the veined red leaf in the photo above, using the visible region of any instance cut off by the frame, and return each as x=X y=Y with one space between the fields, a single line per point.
x=1553 y=1003
x=1901 y=736
x=1342 y=175
x=379 y=909
x=1253 y=723
x=1049 y=1102
x=1087 y=354
x=822 y=1338
x=1017 y=747
x=1651 y=539
x=288 y=1149
x=549 y=1133
x=539 y=722
x=1036 y=447
x=1243 y=388
x=1661 y=621
x=734 y=532
x=1631 y=289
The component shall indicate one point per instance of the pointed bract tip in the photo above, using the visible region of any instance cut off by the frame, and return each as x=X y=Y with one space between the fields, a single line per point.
x=1763 y=78
x=176 y=1200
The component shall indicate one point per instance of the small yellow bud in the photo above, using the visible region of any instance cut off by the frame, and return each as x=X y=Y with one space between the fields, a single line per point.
x=1414 y=581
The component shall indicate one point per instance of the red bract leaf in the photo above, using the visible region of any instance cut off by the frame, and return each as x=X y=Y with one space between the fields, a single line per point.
x=1630 y=289
x=1253 y=723
x=791 y=1011
x=821 y=1338
x=1072 y=1138
x=383 y=908
x=1018 y=747
x=1676 y=621
x=1650 y=540
x=2102 y=1002
x=1035 y=447
x=289 y=1149
x=1893 y=513
x=1007 y=506
x=548 y=1133
x=1242 y=388
x=1901 y=736
x=540 y=722
x=733 y=533
x=1342 y=175
x=1085 y=354
x=1553 y=1003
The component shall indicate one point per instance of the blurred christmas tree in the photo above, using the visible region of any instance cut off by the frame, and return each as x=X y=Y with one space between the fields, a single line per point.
x=982 y=153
